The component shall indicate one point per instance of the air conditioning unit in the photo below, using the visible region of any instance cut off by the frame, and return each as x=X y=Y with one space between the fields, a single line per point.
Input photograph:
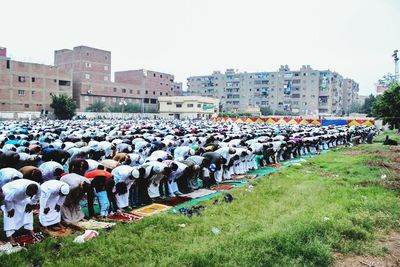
x=89 y=92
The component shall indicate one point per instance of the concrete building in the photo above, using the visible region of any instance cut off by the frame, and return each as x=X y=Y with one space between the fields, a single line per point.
x=299 y=92
x=350 y=94
x=92 y=81
x=28 y=87
x=188 y=107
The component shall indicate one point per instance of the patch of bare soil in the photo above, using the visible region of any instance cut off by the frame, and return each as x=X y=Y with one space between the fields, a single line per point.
x=391 y=259
x=390 y=160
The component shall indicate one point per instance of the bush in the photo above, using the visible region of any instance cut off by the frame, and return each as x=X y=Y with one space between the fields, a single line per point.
x=64 y=107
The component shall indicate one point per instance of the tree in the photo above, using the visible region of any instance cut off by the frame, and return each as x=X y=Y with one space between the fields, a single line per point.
x=64 y=106
x=367 y=106
x=387 y=106
x=266 y=111
x=97 y=106
x=355 y=108
x=128 y=108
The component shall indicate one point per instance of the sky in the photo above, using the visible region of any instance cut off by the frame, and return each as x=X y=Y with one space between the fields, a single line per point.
x=191 y=37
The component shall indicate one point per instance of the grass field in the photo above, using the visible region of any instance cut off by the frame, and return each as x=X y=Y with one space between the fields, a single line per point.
x=299 y=216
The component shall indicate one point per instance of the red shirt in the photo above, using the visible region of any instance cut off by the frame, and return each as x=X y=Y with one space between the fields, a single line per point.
x=94 y=173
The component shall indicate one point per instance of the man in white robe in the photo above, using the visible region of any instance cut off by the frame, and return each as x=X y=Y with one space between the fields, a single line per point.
x=123 y=181
x=51 y=200
x=20 y=196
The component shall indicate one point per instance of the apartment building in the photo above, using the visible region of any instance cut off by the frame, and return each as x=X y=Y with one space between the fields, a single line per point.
x=154 y=84
x=300 y=92
x=92 y=81
x=28 y=87
x=350 y=94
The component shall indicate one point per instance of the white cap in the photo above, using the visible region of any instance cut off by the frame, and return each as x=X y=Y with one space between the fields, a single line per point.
x=64 y=189
x=135 y=173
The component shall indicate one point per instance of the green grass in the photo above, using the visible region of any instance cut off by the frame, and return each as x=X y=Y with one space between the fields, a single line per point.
x=392 y=133
x=298 y=216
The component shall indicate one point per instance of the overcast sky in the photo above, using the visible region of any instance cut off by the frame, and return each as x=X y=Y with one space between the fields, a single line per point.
x=185 y=37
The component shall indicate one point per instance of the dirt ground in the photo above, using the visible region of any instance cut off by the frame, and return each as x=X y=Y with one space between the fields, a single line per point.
x=392 y=258
x=392 y=241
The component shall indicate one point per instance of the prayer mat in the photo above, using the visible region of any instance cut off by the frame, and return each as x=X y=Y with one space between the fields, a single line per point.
x=222 y=187
x=200 y=193
x=95 y=225
x=277 y=165
x=234 y=181
x=173 y=201
x=68 y=230
x=26 y=240
x=245 y=176
x=150 y=210
x=124 y=217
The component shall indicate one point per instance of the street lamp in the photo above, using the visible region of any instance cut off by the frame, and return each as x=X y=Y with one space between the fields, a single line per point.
x=396 y=65
x=123 y=104
x=143 y=89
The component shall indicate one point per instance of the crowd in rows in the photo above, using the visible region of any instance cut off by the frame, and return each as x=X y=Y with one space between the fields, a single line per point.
x=55 y=165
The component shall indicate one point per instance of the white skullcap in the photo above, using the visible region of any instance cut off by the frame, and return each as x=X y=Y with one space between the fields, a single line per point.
x=135 y=173
x=64 y=189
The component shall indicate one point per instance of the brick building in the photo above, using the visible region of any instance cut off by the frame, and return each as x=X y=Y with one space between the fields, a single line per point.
x=91 y=69
x=29 y=86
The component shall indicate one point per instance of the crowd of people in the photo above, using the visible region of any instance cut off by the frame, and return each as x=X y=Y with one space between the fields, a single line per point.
x=54 y=165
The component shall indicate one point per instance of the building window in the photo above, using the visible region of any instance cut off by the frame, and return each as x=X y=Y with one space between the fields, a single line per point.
x=87 y=76
x=26 y=105
x=33 y=79
x=169 y=103
x=21 y=79
x=160 y=93
x=88 y=65
x=154 y=92
x=64 y=83
x=178 y=105
x=21 y=92
x=114 y=90
x=138 y=92
x=124 y=91
x=105 y=57
x=147 y=92
x=160 y=75
x=154 y=75
x=166 y=94
x=199 y=105
x=146 y=100
x=153 y=101
x=33 y=92
x=106 y=67
x=189 y=105
x=86 y=98
x=105 y=78
x=103 y=99
x=131 y=91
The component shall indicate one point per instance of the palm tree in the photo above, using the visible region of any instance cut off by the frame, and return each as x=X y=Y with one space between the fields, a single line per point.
x=97 y=106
